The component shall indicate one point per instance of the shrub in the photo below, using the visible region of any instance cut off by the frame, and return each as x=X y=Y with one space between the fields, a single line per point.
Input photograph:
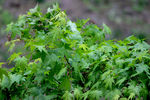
x=69 y=60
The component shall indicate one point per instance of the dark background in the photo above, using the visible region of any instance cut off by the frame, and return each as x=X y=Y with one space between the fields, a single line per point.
x=124 y=17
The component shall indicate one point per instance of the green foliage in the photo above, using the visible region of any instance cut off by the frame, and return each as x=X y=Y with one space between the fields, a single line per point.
x=73 y=61
x=3 y=72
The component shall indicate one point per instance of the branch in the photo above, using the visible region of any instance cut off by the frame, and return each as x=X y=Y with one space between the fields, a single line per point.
x=68 y=64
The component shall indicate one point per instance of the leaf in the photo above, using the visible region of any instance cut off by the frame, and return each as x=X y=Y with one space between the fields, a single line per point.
x=85 y=95
x=106 y=74
x=34 y=91
x=21 y=62
x=62 y=72
x=67 y=96
x=34 y=10
x=14 y=56
x=106 y=29
x=51 y=96
x=11 y=47
x=11 y=44
x=9 y=27
x=116 y=94
x=78 y=93
x=13 y=78
x=95 y=94
x=123 y=99
x=1 y=63
x=140 y=68
x=116 y=97
x=73 y=27
x=76 y=34
x=108 y=82
x=132 y=95
x=120 y=81
x=5 y=83
x=133 y=89
x=66 y=84
x=83 y=46
x=2 y=71
x=113 y=94
x=41 y=48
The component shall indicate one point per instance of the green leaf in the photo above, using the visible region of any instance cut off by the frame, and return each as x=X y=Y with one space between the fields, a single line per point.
x=41 y=48
x=78 y=93
x=1 y=63
x=73 y=27
x=13 y=78
x=34 y=91
x=66 y=84
x=95 y=94
x=2 y=71
x=140 y=68
x=67 y=96
x=106 y=29
x=132 y=95
x=62 y=72
x=83 y=46
x=5 y=83
x=120 y=81
x=116 y=94
x=14 y=56
x=21 y=62
x=123 y=99
x=34 y=10
x=109 y=82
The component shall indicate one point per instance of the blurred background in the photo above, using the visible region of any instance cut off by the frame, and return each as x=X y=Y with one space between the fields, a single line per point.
x=124 y=17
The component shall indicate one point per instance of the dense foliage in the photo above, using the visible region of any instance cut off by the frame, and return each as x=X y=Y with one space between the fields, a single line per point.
x=61 y=59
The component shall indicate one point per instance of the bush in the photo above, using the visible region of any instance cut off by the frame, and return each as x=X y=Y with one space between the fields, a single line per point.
x=73 y=61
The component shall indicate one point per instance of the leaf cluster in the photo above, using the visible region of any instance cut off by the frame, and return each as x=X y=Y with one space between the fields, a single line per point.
x=73 y=61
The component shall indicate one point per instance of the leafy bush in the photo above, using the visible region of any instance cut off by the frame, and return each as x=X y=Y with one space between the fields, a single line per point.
x=73 y=61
